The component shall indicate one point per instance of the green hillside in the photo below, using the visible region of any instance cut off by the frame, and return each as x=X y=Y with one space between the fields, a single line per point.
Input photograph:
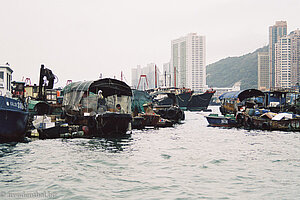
x=228 y=71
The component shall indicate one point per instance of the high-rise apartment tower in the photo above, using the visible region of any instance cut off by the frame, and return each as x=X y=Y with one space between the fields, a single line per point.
x=188 y=60
x=275 y=33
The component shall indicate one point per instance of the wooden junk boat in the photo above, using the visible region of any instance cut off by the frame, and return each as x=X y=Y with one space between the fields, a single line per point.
x=95 y=106
x=271 y=110
x=280 y=112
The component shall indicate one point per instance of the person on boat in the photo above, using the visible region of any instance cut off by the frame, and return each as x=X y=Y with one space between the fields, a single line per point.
x=148 y=108
x=101 y=102
x=119 y=109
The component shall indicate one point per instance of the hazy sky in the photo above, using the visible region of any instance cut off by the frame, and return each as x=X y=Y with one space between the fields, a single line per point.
x=79 y=39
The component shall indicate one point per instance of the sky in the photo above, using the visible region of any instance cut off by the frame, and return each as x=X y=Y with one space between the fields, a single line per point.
x=80 y=39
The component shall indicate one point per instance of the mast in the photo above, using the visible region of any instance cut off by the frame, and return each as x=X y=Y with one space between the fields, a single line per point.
x=40 y=96
x=175 y=76
x=155 y=77
x=165 y=78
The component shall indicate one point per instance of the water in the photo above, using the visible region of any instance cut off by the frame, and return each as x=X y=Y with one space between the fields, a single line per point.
x=190 y=161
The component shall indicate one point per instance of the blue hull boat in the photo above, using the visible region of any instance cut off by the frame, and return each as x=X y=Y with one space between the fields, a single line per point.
x=223 y=121
x=13 y=120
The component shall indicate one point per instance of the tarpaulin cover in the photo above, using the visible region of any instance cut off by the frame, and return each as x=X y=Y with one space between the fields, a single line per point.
x=112 y=88
x=243 y=94
x=139 y=99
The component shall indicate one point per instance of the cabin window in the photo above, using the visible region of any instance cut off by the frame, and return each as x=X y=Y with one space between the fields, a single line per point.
x=8 y=82
x=1 y=76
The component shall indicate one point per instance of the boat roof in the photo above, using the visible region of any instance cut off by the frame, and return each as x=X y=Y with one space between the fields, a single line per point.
x=108 y=87
x=242 y=94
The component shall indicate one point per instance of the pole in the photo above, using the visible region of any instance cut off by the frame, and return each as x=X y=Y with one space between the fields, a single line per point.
x=155 y=77
x=166 y=78
x=175 y=76
x=40 y=96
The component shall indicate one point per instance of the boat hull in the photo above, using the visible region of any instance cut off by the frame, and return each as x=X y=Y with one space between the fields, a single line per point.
x=194 y=102
x=13 y=120
x=110 y=124
x=253 y=122
x=221 y=121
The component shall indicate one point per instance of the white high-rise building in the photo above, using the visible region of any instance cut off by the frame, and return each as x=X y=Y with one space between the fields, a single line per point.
x=135 y=75
x=283 y=62
x=287 y=57
x=275 y=33
x=188 y=60
x=295 y=57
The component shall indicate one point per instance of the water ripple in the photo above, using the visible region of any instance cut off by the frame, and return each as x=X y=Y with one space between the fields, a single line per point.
x=189 y=161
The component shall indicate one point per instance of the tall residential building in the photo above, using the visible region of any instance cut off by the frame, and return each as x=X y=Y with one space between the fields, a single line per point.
x=135 y=75
x=188 y=60
x=283 y=62
x=287 y=60
x=263 y=71
x=295 y=57
x=275 y=32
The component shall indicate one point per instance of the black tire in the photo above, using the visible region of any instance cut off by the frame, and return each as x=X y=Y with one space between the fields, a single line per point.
x=171 y=114
x=265 y=126
x=42 y=108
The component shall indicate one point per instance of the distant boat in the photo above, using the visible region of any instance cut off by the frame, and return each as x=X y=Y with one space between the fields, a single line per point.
x=13 y=114
x=188 y=99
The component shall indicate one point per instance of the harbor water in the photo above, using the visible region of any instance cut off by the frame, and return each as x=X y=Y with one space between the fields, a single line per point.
x=189 y=161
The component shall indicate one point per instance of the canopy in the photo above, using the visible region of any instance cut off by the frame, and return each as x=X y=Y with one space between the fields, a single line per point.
x=107 y=86
x=243 y=94
x=110 y=87
x=74 y=92
x=77 y=86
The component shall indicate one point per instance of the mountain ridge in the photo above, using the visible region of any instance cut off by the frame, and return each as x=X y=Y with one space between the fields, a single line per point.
x=227 y=71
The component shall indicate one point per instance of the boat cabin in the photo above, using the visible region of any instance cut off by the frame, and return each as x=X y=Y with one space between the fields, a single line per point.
x=231 y=102
x=5 y=80
x=103 y=106
x=92 y=97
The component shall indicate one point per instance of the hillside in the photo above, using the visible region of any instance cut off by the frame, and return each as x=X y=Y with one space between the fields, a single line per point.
x=228 y=71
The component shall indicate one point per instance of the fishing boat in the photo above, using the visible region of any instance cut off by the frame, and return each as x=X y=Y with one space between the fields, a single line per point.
x=13 y=113
x=221 y=121
x=232 y=102
x=166 y=105
x=104 y=106
x=186 y=98
x=278 y=112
